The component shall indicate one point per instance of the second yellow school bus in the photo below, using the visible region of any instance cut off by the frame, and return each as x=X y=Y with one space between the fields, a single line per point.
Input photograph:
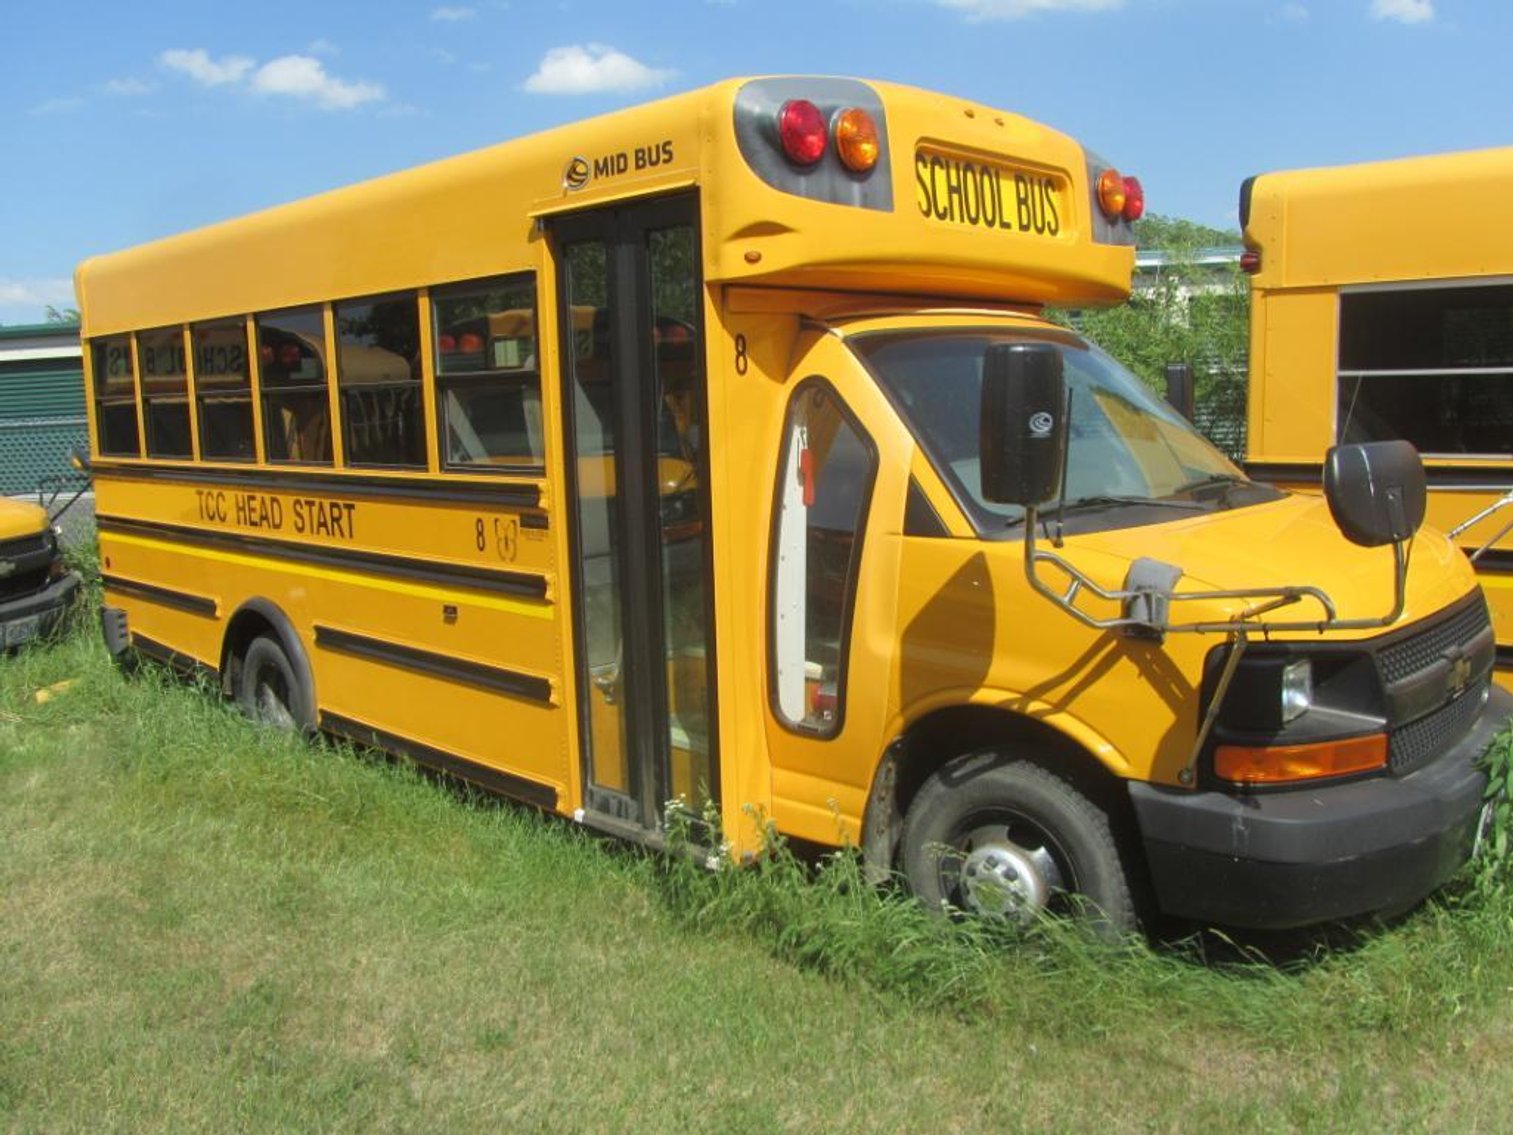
x=718 y=449
x=1382 y=307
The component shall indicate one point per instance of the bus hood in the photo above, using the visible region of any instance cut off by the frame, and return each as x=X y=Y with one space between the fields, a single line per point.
x=1291 y=542
x=18 y=518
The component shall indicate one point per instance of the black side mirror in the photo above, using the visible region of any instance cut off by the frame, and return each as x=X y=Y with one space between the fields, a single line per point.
x=1023 y=423
x=79 y=459
x=1179 y=388
x=1375 y=491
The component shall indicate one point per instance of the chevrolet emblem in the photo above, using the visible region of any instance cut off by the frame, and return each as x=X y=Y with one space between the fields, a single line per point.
x=1460 y=674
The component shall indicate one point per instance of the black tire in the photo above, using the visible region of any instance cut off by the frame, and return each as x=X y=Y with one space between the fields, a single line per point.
x=269 y=689
x=991 y=835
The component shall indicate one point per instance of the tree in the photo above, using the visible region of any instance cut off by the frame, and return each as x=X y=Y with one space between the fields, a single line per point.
x=62 y=315
x=1184 y=310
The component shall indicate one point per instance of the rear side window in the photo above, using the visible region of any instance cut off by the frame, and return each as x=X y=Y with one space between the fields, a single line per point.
x=223 y=390
x=1433 y=366
x=291 y=350
x=165 y=392
x=825 y=478
x=488 y=385
x=115 y=396
x=378 y=375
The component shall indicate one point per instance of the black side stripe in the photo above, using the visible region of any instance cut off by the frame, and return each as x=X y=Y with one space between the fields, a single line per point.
x=1435 y=476
x=495 y=679
x=1494 y=561
x=164 y=596
x=184 y=663
x=374 y=563
x=308 y=481
x=1504 y=658
x=504 y=783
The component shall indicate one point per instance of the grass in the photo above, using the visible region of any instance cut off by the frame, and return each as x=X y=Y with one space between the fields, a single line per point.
x=205 y=927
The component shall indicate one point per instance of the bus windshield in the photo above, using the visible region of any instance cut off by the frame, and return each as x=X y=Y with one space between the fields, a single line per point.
x=1131 y=459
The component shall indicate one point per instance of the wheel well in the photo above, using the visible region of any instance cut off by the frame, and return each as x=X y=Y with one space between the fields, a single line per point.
x=254 y=618
x=954 y=731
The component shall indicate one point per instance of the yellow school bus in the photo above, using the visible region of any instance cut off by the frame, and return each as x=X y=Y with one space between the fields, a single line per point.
x=1382 y=307
x=718 y=449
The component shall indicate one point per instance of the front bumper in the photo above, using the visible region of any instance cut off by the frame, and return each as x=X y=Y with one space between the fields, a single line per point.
x=1293 y=858
x=35 y=615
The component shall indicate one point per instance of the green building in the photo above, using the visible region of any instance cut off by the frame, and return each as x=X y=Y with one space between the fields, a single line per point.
x=41 y=404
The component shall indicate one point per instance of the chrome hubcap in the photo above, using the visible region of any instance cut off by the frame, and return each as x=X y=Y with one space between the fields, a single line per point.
x=1000 y=879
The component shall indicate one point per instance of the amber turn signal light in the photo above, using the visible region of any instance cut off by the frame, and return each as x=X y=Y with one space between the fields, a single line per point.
x=1281 y=764
x=1111 y=193
x=856 y=140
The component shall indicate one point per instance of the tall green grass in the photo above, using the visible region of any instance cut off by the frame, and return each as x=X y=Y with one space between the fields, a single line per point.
x=208 y=926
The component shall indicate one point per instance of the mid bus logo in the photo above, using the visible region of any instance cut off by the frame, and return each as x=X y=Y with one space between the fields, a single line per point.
x=1041 y=423
x=576 y=175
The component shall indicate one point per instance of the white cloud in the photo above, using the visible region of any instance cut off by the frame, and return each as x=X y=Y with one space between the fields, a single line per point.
x=449 y=15
x=322 y=47
x=1403 y=11
x=590 y=68
x=198 y=65
x=304 y=77
x=128 y=87
x=25 y=300
x=1018 y=9
x=1294 y=13
x=56 y=106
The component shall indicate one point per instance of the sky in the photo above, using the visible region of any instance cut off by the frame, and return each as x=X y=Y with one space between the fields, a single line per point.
x=120 y=123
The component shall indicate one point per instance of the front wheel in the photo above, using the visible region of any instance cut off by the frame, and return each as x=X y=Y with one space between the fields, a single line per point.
x=1006 y=839
x=270 y=691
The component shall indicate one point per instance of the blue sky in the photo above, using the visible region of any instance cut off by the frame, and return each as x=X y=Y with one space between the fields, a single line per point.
x=120 y=123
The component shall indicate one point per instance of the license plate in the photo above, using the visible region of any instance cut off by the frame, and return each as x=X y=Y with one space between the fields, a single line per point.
x=984 y=194
x=22 y=630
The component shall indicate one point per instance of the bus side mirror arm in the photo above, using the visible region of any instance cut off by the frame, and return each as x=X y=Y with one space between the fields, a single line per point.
x=1148 y=593
x=1492 y=509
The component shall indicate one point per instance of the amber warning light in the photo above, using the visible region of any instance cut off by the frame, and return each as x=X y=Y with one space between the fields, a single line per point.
x=1120 y=197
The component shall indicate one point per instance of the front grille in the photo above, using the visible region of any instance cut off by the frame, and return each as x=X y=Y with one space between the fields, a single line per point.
x=23 y=565
x=1419 y=651
x=25 y=546
x=1419 y=741
x=1413 y=742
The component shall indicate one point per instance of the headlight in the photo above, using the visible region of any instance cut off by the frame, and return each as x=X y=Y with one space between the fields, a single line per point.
x=1297 y=689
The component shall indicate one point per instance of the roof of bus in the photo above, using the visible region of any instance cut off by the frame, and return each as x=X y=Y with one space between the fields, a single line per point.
x=479 y=214
x=1440 y=216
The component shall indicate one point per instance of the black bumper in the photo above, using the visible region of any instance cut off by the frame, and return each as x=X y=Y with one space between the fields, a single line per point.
x=35 y=615
x=1285 y=859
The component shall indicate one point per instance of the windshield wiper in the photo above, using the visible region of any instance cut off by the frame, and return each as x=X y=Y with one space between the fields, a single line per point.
x=1105 y=500
x=1212 y=481
x=1111 y=501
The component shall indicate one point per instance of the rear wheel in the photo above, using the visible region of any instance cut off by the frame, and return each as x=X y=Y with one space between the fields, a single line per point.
x=270 y=691
x=1007 y=839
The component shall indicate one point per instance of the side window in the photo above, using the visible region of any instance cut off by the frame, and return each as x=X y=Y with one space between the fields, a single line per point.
x=378 y=377
x=488 y=385
x=291 y=351
x=115 y=396
x=1431 y=365
x=223 y=390
x=825 y=478
x=165 y=392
